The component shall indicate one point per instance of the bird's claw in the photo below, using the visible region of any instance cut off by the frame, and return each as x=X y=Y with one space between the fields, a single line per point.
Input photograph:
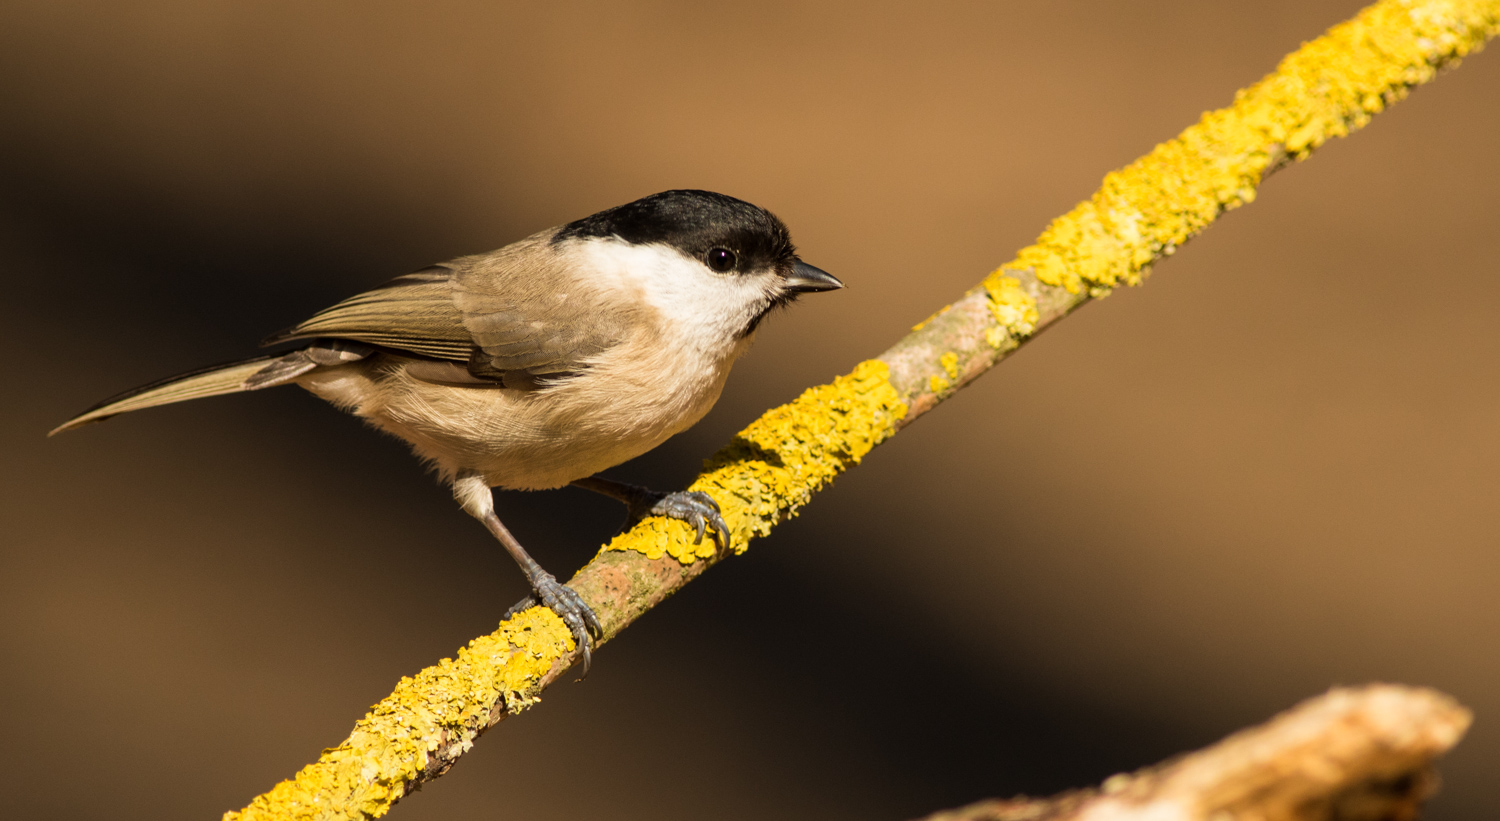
x=570 y=607
x=695 y=507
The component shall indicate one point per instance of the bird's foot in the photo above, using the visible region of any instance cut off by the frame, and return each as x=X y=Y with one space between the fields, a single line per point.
x=695 y=507
x=570 y=607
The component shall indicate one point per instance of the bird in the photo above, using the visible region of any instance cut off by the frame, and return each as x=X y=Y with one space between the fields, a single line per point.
x=540 y=364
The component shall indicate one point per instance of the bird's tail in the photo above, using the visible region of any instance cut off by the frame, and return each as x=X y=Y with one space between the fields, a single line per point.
x=245 y=375
x=212 y=381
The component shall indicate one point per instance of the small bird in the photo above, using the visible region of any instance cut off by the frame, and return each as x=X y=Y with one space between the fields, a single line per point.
x=545 y=362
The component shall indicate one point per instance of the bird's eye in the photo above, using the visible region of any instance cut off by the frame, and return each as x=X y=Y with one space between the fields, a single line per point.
x=721 y=260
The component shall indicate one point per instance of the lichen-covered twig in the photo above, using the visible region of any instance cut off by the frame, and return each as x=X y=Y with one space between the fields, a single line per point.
x=1356 y=754
x=1143 y=212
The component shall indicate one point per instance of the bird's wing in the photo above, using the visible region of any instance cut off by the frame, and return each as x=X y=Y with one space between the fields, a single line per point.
x=412 y=313
x=536 y=313
x=515 y=315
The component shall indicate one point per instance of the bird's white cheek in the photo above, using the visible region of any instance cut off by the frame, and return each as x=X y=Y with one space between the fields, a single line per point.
x=706 y=308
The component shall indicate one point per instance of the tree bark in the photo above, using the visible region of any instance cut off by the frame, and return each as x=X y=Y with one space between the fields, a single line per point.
x=1356 y=754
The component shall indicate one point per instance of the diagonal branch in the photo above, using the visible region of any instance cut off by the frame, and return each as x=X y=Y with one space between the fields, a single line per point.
x=1328 y=88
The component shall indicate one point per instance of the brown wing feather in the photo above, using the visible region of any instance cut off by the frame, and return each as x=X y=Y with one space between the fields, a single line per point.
x=412 y=313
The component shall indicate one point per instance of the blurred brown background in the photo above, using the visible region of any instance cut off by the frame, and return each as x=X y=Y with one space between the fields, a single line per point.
x=1272 y=469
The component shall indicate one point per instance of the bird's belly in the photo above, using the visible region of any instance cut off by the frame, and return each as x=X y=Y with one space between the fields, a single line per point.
x=525 y=439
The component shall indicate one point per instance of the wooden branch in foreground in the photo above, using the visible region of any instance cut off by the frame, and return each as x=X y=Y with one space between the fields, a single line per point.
x=1352 y=754
x=1328 y=88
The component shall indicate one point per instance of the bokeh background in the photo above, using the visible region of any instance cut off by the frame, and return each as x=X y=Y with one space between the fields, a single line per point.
x=1270 y=470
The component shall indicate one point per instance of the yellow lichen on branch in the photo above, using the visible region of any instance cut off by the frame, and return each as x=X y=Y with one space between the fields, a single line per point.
x=1014 y=309
x=1328 y=88
x=774 y=466
x=443 y=707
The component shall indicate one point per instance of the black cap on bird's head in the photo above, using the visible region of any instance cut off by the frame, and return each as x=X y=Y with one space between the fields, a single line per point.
x=728 y=234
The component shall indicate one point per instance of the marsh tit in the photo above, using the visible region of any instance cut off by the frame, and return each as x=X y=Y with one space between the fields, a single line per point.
x=545 y=362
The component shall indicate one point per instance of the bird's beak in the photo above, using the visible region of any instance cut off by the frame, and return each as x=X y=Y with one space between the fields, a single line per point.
x=807 y=279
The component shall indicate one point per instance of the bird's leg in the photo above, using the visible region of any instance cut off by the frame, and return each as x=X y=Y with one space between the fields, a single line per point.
x=473 y=493
x=692 y=506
